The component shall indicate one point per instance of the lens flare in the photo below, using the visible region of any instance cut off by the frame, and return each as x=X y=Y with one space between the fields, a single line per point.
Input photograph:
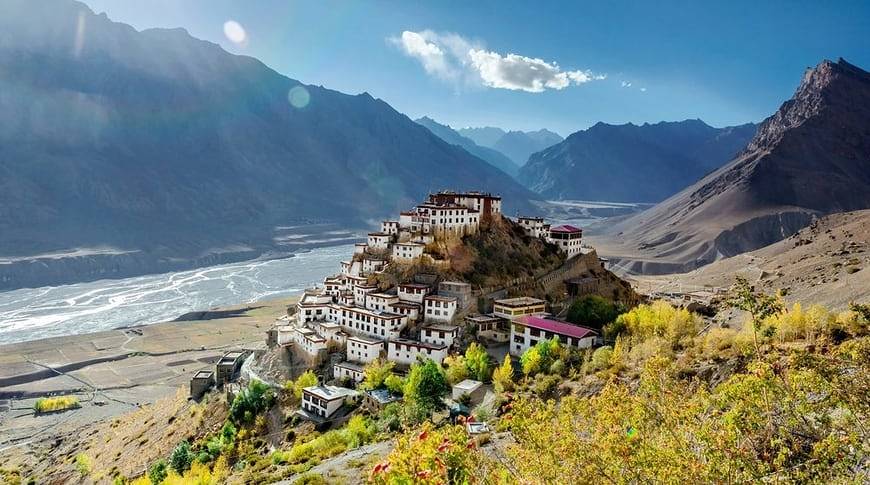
x=235 y=32
x=298 y=97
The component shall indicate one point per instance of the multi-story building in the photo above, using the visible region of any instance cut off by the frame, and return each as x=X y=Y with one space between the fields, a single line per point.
x=490 y=327
x=404 y=351
x=457 y=289
x=483 y=202
x=379 y=241
x=413 y=292
x=439 y=333
x=534 y=226
x=364 y=350
x=528 y=330
x=348 y=370
x=512 y=308
x=325 y=401
x=407 y=251
x=380 y=301
x=568 y=238
x=437 y=308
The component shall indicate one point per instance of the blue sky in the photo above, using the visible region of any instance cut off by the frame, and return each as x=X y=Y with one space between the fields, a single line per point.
x=477 y=63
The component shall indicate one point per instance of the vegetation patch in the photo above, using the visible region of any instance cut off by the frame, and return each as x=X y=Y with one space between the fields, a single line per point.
x=54 y=404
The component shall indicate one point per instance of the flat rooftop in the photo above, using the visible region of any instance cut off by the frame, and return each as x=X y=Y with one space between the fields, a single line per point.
x=330 y=393
x=204 y=374
x=520 y=301
x=441 y=327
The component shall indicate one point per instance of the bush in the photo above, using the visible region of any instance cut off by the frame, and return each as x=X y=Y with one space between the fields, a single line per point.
x=376 y=374
x=60 y=403
x=307 y=379
x=254 y=399
x=83 y=464
x=601 y=358
x=592 y=311
x=181 y=458
x=158 y=472
x=660 y=319
x=503 y=376
x=546 y=386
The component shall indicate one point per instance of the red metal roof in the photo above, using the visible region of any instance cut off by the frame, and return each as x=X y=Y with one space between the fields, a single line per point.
x=556 y=326
x=565 y=228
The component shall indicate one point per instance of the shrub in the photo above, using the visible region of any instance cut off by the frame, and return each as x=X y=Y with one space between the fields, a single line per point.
x=254 y=399
x=181 y=458
x=60 y=403
x=376 y=374
x=158 y=472
x=660 y=319
x=601 y=358
x=307 y=379
x=456 y=371
x=395 y=384
x=503 y=376
x=83 y=464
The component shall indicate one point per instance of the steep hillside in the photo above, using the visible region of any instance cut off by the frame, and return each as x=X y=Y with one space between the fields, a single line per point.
x=631 y=163
x=825 y=263
x=812 y=157
x=489 y=155
x=155 y=140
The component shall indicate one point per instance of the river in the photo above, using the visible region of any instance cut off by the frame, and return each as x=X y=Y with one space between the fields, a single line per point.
x=34 y=313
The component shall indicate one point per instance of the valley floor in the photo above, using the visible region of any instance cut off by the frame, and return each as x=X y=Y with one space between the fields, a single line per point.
x=113 y=372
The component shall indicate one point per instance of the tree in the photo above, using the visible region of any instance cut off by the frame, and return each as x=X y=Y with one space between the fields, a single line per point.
x=306 y=379
x=531 y=361
x=157 y=473
x=592 y=311
x=503 y=376
x=376 y=373
x=395 y=384
x=181 y=458
x=759 y=305
x=478 y=363
x=252 y=400
x=425 y=385
x=457 y=368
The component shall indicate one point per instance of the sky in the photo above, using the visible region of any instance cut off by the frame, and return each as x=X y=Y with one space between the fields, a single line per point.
x=530 y=65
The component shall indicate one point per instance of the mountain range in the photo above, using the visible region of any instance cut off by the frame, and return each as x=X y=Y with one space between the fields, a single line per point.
x=632 y=163
x=156 y=141
x=810 y=158
x=517 y=145
x=489 y=155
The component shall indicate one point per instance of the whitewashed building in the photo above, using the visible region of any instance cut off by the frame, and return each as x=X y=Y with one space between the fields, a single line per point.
x=408 y=309
x=308 y=341
x=534 y=226
x=390 y=227
x=379 y=240
x=413 y=292
x=485 y=203
x=438 y=308
x=364 y=350
x=404 y=351
x=528 y=330
x=568 y=238
x=439 y=333
x=325 y=401
x=407 y=251
x=373 y=264
x=382 y=302
x=348 y=370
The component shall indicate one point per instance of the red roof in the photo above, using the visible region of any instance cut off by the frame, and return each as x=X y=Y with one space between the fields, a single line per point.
x=565 y=228
x=556 y=326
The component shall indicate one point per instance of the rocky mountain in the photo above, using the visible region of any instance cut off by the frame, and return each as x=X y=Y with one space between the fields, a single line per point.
x=158 y=142
x=517 y=145
x=812 y=157
x=632 y=163
x=448 y=134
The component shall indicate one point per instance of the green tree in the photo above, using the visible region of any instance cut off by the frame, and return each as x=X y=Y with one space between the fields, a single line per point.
x=252 y=400
x=425 y=385
x=395 y=384
x=503 y=376
x=158 y=472
x=478 y=362
x=376 y=373
x=457 y=368
x=181 y=458
x=592 y=311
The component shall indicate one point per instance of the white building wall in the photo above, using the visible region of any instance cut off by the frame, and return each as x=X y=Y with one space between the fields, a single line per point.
x=438 y=336
x=406 y=353
x=363 y=351
x=436 y=310
x=522 y=341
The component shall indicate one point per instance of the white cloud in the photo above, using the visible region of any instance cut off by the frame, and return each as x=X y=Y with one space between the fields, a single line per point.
x=643 y=90
x=451 y=57
x=626 y=84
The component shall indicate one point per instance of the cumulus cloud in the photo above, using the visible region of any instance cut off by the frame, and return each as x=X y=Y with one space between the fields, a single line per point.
x=452 y=57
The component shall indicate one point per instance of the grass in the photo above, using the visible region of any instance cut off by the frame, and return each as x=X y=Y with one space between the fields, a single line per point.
x=60 y=403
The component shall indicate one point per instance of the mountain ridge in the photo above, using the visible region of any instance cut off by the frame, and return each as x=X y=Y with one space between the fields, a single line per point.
x=810 y=158
x=489 y=155
x=632 y=163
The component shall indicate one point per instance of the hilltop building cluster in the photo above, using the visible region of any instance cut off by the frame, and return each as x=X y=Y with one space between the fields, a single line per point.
x=350 y=314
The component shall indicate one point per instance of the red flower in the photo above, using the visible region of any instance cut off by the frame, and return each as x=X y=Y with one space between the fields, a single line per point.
x=422 y=435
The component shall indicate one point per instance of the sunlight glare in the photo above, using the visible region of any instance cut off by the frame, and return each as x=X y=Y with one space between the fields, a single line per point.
x=235 y=32
x=299 y=97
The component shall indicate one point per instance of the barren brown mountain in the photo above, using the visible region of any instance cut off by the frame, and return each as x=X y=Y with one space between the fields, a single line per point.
x=812 y=157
